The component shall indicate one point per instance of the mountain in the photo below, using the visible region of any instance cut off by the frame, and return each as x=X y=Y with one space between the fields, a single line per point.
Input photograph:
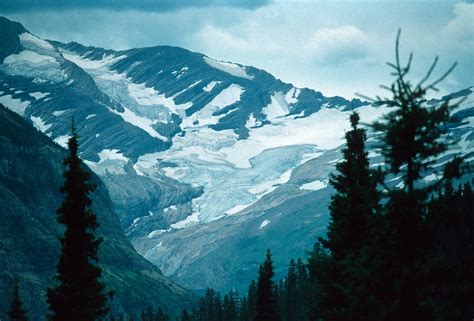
x=208 y=163
x=30 y=177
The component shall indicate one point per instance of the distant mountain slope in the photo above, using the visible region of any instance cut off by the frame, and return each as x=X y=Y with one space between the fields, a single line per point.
x=207 y=162
x=30 y=177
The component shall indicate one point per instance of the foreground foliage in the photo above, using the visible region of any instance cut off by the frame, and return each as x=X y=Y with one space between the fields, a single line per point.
x=80 y=293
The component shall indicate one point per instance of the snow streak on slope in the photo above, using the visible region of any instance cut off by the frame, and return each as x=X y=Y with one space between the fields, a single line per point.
x=206 y=116
x=230 y=68
x=143 y=106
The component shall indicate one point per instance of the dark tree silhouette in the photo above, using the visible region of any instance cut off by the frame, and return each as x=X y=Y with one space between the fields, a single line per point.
x=290 y=293
x=266 y=298
x=79 y=295
x=352 y=209
x=356 y=198
x=411 y=136
x=17 y=312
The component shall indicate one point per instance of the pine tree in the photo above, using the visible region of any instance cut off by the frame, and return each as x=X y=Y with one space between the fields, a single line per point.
x=17 y=312
x=266 y=298
x=79 y=296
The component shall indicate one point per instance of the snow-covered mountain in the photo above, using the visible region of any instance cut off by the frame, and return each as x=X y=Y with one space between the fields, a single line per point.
x=208 y=162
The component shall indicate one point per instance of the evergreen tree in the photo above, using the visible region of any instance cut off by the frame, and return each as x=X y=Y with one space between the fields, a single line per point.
x=302 y=290
x=291 y=293
x=147 y=315
x=79 y=296
x=244 y=313
x=266 y=298
x=411 y=139
x=17 y=312
x=252 y=300
x=185 y=316
x=229 y=307
x=447 y=266
x=160 y=315
x=356 y=197
x=352 y=209
x=318 y=269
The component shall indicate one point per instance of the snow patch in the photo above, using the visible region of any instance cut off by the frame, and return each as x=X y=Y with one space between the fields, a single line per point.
x=292 y=95
x=147 y=96
x=205 y=116
x=90 y=116
x=16 y=105
x=269 y=186
x=230 y=68
x=252 y=122
x=211 y=86
x=111 y=154
x=27 y=39
x=277 y=108
x=237 y=209
x=314 y=186
x=190 y=220
x=62 y=140
x=31 y=58
x=140 y=122
x=432 y=177
x=38 y=95
x=111 y=161
x=40 y=124
x=84 y=63
x=264 y=224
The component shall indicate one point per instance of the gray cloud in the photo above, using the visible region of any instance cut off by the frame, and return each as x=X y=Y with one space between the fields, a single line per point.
x=9 y=6
x=337 y=47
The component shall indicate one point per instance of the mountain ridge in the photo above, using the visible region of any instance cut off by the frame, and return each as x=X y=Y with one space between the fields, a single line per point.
x=204 y=160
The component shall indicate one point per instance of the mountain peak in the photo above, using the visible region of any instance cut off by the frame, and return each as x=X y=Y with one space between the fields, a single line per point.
x=9 y=37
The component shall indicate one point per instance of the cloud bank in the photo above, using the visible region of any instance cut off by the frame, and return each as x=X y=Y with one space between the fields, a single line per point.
x=337 y=47
x=155 y=5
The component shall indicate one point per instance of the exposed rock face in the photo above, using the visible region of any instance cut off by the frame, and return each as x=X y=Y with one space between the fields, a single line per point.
x=30 y=177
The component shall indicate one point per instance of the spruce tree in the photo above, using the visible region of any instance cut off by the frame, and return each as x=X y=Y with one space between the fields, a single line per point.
x=17 y=312
x=266 y=298
x=411 y=136
x=356 y=197
x=79 y=295
x=352 y=209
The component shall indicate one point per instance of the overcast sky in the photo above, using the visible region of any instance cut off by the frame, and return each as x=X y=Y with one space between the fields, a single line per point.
x=337 y=47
